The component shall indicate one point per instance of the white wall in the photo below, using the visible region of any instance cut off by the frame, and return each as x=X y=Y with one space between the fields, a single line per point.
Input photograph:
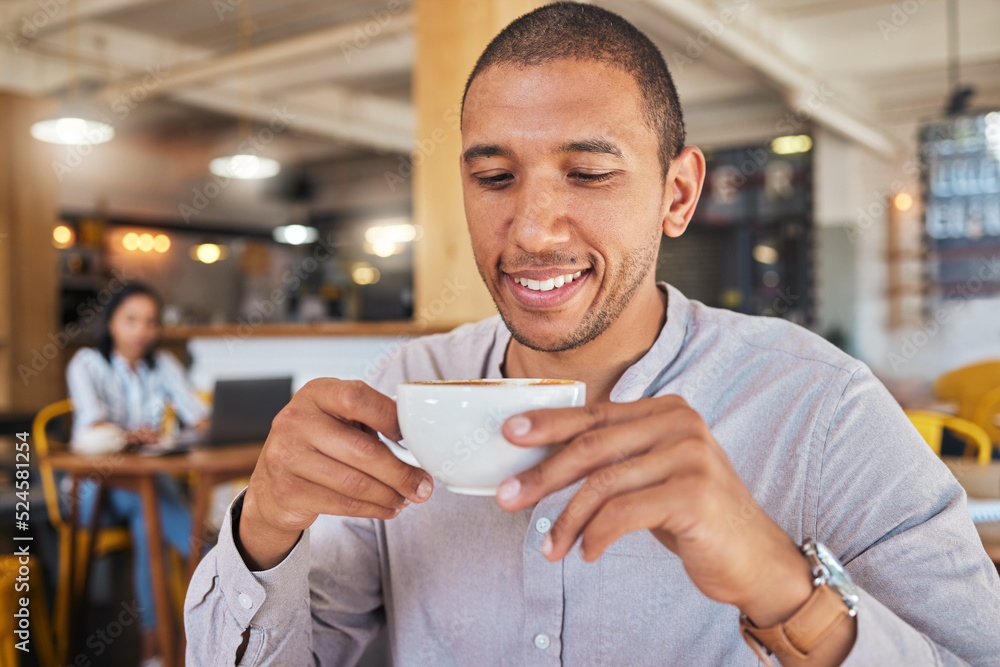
x=303 y=357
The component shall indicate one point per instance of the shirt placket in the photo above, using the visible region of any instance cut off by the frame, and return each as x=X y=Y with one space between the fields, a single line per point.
x=543 y=592
x=133 y=395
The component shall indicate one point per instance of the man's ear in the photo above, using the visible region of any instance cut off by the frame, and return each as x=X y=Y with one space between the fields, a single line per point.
x=685 y=179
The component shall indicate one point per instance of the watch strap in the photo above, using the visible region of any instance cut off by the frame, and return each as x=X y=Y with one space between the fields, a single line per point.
x=800 y=634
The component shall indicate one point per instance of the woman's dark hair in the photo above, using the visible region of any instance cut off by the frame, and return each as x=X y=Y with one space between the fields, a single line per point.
x=105 y=342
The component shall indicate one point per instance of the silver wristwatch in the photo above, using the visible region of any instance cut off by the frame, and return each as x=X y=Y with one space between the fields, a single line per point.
x=826 y=569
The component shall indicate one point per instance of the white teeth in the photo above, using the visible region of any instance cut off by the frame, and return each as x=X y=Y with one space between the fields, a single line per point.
x=550 y=284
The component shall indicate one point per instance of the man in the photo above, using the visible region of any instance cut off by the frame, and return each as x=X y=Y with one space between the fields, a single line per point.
x=712 y=446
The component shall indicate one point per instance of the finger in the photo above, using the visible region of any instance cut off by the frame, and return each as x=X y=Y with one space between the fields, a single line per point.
x=324 y=500
x=642 y=509
x=353 y=400
x=542 y=427
x=627 y=476
x=346 y=480
x=294 y=431
x=583 y=455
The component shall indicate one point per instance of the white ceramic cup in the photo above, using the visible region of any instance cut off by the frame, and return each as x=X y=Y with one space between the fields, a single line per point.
x=451 y=428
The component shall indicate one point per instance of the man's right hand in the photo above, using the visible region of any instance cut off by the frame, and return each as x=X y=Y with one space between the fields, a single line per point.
x=322 y=457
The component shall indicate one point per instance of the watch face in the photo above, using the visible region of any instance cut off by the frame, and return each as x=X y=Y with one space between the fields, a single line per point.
x=839 y=581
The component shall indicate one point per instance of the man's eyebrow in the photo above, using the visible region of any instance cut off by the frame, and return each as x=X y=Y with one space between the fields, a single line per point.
x=485 y=150
x=591 y=146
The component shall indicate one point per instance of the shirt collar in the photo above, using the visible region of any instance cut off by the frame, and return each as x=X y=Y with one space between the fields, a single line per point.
x=640 y=379
x=119 y=363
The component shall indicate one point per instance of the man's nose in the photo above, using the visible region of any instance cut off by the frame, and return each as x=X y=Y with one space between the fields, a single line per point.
x=539 y=221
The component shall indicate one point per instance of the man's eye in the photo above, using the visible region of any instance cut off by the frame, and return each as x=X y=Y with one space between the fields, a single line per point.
x=493 y=181
x=588 y=177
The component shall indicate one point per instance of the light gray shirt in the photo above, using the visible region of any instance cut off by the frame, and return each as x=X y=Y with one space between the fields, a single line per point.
x=817 y=439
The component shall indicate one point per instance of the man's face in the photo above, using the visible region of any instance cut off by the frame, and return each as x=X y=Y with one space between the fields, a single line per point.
x=564 y=192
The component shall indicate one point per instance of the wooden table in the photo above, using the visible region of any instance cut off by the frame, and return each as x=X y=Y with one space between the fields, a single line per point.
x=208 y=468
x=989 y=533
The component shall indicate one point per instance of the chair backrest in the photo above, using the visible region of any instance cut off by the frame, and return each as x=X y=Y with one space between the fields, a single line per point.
x=967 y=386
x=931 y=424
x=987 y=414
x=44 y=447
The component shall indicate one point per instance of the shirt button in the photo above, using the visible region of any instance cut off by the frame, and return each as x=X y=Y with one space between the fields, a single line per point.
x=543 y=525
x=541 y=640
x=245 y=601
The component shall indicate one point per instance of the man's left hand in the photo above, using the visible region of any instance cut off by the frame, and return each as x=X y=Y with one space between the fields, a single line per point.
x=654 y=464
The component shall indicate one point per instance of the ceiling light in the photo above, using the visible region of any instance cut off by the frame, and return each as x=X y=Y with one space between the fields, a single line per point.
x=146 y=242
x=765 y=254
x=209 y=253
x=131 y=241
x=383 y=248
x=161 y=243
x=364 y=274
x=794 y=143
x=902 y=201
x=295 y=234
x=62 y=237
x=244 y=166
x=394 y=233
x=72 y=131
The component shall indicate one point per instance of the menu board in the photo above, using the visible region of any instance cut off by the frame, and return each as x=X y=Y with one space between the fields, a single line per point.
x=960 y=160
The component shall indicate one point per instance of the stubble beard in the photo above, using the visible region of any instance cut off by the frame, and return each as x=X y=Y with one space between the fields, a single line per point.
x=633 y=272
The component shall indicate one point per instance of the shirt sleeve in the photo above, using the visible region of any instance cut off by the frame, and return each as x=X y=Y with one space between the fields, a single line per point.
x=322 y=605
x=897 y=519
x=82 y=382
x=189 y=407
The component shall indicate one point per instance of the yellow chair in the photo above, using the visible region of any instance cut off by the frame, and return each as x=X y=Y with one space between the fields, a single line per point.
x=38 y=613
x=987 y=414
x=930 y=425
x=969 y=386
x=108 y=539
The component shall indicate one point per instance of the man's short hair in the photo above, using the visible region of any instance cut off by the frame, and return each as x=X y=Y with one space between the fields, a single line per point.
x=568 y=30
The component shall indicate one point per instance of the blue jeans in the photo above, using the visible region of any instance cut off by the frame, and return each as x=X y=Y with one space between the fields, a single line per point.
x=123 y=506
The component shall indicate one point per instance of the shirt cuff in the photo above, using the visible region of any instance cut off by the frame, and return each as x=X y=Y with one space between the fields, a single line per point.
x=886 y=639
x=263 y=598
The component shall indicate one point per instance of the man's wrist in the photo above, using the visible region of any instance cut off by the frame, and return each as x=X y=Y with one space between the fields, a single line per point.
x=783 y=593
x=260 y=545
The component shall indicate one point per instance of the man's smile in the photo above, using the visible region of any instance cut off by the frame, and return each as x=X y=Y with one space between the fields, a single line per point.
x=545 y=288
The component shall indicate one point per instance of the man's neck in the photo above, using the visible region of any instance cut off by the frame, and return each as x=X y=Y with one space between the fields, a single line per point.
x=601 y=362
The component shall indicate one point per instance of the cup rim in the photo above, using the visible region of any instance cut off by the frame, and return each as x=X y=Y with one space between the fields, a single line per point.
x=494 y=383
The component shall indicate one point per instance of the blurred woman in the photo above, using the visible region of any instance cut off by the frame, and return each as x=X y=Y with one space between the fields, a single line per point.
x=127 y=382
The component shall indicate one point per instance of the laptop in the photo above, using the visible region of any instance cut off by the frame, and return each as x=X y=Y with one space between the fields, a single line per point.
x=242 y=412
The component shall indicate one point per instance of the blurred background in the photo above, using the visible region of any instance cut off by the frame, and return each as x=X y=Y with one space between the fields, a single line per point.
x=284 y=173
